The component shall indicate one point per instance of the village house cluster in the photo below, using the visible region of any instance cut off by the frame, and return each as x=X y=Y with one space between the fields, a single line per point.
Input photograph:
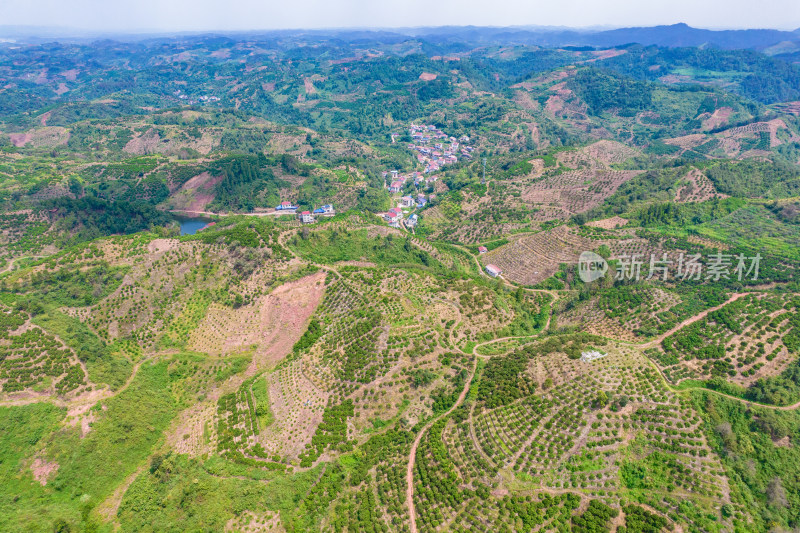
x=306 y=217
x=395 y=215
x=435 y=148
x=395 y=183
x=203 y=98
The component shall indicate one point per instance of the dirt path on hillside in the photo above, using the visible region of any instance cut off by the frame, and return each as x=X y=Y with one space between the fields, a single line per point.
x=82 y=401
x=108 y=508
x=412 y=456
x=748 y=403
x=10 y=265
x=213 y=214
x=692 y=320
x=532 y=338
x=509 y=284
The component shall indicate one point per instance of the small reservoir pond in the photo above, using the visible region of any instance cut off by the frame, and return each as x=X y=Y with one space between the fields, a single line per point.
x=189 y=226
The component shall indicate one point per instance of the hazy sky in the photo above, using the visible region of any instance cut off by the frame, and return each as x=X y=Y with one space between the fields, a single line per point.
x=137 y=15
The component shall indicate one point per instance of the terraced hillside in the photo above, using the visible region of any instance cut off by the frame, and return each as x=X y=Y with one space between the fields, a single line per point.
x=245 y=285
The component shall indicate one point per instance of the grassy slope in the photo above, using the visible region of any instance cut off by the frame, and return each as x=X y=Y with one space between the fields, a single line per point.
x=89 y=468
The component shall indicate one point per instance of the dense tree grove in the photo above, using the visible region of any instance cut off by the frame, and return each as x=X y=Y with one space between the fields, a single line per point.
x=594 y=519
x=331 y=432
x=604 y=91
x=755 y=178
x=246 y=183
x=505 y=380
x=673 y=214
x=90 y=217
x=640 y=520
x=777 y=390
x=767 y=79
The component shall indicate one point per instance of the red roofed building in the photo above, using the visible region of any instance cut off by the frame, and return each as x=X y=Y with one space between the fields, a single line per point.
x=407 y=201
x=493 y=270
x=394 y=216
x=286 y=206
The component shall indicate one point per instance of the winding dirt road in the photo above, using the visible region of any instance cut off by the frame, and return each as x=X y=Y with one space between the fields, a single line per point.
x=104 y=393
x=212 y=214
x=691 y=320
x=412 y=456
x=10 y=265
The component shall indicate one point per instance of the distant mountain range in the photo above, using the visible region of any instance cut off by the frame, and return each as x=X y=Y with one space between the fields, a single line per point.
x=675 y=35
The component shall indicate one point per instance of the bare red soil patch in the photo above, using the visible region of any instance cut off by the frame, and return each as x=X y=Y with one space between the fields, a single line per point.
x=42 y=470
x=608 y=223
x=20 y=139
x=789 y=107
x=71 y=75
x=597 y=155
x=606 y=54
x=687 y=142
x=718 y=118
x=222 y=53
x=195 y=194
